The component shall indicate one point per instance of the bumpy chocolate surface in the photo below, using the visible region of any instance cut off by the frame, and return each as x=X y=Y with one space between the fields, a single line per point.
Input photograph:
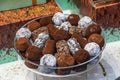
x=33 y=26
x=58 y=18
x=49 y=47
x=93 y=48
x=61 y=35
x=65 y=26
x=48 y=60
x=84 y=22
x=81 y=56
x=73 y=45
x=22 y=44
x=93 y=28
x=75 y=29
x=82 y=41
x=23 y=32
x=36 y=32
x=65 y=60
x=62 y=47
x=73 y=19
x=40 y=41
x=97 y=39
x=45 y=21
x=33 y=53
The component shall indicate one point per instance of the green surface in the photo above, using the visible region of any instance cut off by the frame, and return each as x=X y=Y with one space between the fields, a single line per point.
x=109 y=34
x=13 y=4
x=7 y=55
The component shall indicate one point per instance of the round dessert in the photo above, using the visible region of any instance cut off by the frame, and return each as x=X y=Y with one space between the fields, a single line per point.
x=97 y=38
x=93 y=48
x=75 y=29
x=65 y=26
x=81 y=56
x=40 y=41
x=51 y=29
x=82 y=41
x=22 y=44
x=36 y=32
x=49 y=47
x=84 y=22
x=73 y=19
x=60 y=45
x=33 y=26
x=58 y=18
x=45 y=21
x=73 y=45
x=23 y=32
x=93 y=28
x=64 y=60
x=33 y=53
x=61 y=35
x=47 y=61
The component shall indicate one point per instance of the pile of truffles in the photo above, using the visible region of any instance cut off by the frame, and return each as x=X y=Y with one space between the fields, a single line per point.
x=59 y=41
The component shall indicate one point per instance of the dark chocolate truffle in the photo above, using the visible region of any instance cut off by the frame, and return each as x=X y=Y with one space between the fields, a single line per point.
x=61 y=35
x=45 y=21
x=73 y=19
x=22 y=44
x=36 y=32
x=93 y=28
x=49 y=47
x=33 y=53
x=97 y=38
x=75 y=29
x=51 y=29
x=33 y=25
x=32 y=64
x=62 y=47
x=64 y=60
x=80 y=40
x=81 y=56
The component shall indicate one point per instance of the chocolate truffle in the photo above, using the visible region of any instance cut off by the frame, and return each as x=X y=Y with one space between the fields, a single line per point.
x=51 y=29
x=73 y=19
x=33 y=25
x=22 y=44
x=45 y=21
x=49 y=47
x=40 y=41
x=81 y=56
x=80 y=40
x=75 y=29
x=36 y=32
x=64 y=60
x=62 y=47
x=84 y=22
x=93 y=48
x=61 y=35
x=65 y=26
x=97 y=38
x=33 y=53
x=23 y=32
x=47 y=61
x=73 y=45
x=58 y=18
x=32 y=64
x=93 y=28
